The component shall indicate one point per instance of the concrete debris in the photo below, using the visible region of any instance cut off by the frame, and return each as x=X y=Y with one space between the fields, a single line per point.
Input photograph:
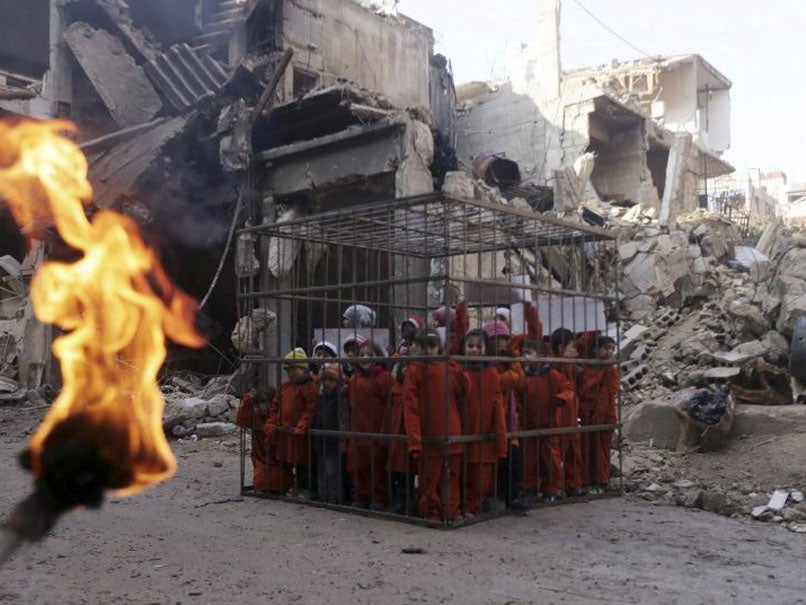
x=124 y=88
x=778 y=499
x=458 y=184
x=215 y=429
x=189 y=404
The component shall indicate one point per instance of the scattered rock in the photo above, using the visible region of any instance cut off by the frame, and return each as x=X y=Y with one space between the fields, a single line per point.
x=182 y=410
x=215 y=429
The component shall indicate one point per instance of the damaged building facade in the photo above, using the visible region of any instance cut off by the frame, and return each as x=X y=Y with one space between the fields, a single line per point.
x=198 y=116
x=657 y=127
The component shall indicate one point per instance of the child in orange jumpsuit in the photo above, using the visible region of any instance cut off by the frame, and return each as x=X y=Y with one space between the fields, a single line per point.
x=293 y=407
x=482 y=414
x=369 y=389
x=546 y=391
x=510 y=381
x=431 y=410
x=401 y=465
x=252 y=415
x=598 y=389
x=563 y=345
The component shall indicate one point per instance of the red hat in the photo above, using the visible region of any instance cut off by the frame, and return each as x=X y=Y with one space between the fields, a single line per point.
x=495 y=328
x=415 y=320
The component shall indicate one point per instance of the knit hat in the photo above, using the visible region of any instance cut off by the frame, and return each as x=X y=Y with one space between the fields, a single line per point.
x=416 y=321
x=358 y=340
x=296 y=358
x=328 y=346
x=332 y=371
x=360 y=315
x=503 y=312
x=442 y=315
x=495 y=328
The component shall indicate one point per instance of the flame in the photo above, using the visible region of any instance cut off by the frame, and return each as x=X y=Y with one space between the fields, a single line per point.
x=115 y=304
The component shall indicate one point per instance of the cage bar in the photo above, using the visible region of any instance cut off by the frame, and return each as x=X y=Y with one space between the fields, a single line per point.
x=451 y=394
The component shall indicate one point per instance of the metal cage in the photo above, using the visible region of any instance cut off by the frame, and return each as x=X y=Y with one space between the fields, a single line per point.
x=415 y=432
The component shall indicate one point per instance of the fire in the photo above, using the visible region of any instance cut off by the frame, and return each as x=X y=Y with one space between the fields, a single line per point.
x=115 y=304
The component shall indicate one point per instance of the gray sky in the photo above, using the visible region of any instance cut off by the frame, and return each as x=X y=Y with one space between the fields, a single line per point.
x=759 y=46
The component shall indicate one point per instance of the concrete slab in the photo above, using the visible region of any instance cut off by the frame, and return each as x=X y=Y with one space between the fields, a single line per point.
x=120 y=83
x=656 y=420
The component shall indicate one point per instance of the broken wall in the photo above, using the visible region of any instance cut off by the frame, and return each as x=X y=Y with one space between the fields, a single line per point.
x=679 y=99
x=338 y=39
x=493 y=118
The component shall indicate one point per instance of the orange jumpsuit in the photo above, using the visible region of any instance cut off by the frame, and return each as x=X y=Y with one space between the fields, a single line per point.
x=534 y=330
x=483 y=413
x=399 y=459
x=268 y=473
x=571 y=444
x=545 y=393
x=293 y=406
x=432 y=413
x=369 y=413
x=598 y=389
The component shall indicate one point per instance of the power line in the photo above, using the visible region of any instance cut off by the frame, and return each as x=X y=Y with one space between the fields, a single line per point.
x=611 y=30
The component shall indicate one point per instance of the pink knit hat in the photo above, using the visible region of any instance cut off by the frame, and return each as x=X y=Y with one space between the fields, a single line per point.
x=442 y=315
x=495 y=328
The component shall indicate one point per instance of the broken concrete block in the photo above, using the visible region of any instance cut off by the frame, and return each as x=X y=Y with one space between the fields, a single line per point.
x=631 y=338
x=747 y=257
x=722 y=373
x=656 y=420
x=777 y=347
x=641 y=275
x=747 y=317
x=11 y=390
x=632 y=379
x=778 y=499
x=758 y=512
x=217 y=405
x=741 y=354
x=120 y=83
x=182 y=410
x=640 y=307
x=215 y=429
x=640 y=353
x=627 y=251
x=458 y=184
x=792 y=308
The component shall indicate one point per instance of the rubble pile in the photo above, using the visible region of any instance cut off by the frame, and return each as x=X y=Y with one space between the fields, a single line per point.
x=662 y=477
x=204 y=410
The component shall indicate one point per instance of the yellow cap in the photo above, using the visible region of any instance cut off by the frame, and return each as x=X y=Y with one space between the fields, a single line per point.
x=297 y=358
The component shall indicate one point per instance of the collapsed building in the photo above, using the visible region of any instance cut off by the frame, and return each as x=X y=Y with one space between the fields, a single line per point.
x=658 y=127
x=197 y=116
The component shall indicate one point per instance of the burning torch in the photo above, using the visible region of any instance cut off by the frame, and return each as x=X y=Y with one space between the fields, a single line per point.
x=116 y=307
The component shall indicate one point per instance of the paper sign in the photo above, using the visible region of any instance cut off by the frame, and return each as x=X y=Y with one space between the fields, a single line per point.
x=502 y=293
x=575 y=313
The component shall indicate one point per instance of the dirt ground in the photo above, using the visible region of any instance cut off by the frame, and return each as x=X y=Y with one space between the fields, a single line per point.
x=195 y=540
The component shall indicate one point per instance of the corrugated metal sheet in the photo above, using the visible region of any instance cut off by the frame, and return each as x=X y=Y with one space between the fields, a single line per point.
x=185 y=76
